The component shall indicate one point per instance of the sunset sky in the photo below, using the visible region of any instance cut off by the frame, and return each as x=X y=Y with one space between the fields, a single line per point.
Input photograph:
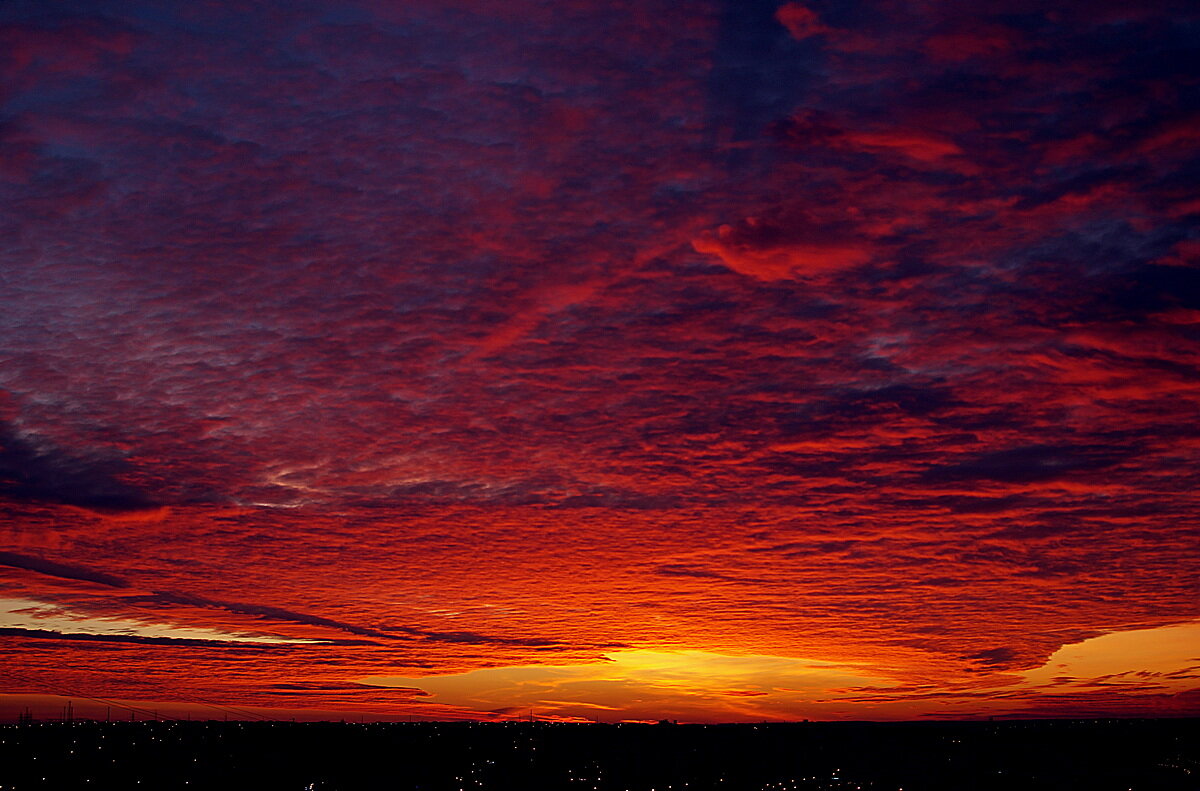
x=716 y=360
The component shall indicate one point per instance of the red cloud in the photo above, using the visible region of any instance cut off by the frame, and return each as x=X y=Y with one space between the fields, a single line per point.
x=802 y=22
x=777 y=263
x=965 y=45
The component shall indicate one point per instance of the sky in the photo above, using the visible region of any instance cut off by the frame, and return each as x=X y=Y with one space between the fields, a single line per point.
x=718 y=360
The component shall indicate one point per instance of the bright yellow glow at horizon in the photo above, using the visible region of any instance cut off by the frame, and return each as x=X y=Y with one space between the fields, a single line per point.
x=642 y=684
x=705 y=686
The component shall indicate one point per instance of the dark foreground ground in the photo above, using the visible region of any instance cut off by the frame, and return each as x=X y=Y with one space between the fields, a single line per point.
x=1148 y=755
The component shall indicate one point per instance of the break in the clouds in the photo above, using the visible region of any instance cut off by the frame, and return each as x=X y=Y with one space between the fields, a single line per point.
x=40 y=620
x=439 y=339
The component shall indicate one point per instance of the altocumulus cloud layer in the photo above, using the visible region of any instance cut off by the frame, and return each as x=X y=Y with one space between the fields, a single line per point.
x=392 y=340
